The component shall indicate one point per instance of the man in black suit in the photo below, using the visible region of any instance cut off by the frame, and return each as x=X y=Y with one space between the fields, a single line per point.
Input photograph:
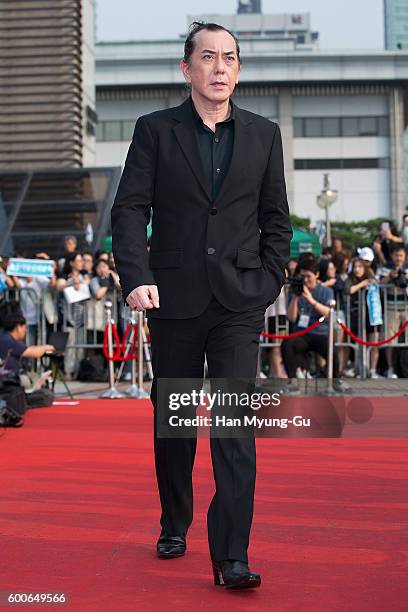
x=213 y=176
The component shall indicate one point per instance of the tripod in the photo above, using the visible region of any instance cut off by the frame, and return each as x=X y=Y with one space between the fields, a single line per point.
x=56 y=359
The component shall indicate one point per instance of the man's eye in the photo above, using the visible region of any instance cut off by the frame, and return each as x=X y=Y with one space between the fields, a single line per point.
x=208 y=56
x=230 y=58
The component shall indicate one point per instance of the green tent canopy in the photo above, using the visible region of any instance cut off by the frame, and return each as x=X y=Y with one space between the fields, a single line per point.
x=107 y=241
x=304 y=242
x=107 y=244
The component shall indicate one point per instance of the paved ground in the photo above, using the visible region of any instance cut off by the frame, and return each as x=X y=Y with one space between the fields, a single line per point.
x=381 y=387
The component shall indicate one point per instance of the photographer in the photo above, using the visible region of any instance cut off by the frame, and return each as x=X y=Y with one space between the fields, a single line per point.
x=396 y=277
x=308 y=302
x=13 y=348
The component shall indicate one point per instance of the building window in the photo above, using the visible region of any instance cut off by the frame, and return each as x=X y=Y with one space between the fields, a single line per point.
x=330 y=126
x=334 y=127
x=368 y=126
x=109 y=131
x=112 y=131
x=100 y=131
x=383 y=126
x=128 y=128
x=298 y=127
x=350 y=127
x=312 y=127
x=341 y=164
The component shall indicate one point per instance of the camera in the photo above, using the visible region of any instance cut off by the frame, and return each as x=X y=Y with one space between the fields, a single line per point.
x=401 y=281
x=296 y=284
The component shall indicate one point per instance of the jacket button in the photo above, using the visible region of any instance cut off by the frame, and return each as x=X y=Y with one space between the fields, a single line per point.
x=213 y=211
x=210 y=251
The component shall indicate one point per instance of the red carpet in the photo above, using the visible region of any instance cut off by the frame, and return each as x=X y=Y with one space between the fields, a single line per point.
x=79 y=515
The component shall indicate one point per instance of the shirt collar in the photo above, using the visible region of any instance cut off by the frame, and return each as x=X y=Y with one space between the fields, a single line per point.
x=199 y=120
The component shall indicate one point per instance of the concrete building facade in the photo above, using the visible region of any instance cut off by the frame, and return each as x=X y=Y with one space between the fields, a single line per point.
x=341 y=113
x=254 y=25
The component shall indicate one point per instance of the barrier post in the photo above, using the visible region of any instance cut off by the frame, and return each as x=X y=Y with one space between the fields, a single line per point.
x=140 y=342
x=112 y=392
x=330 y=351
x=137 y=390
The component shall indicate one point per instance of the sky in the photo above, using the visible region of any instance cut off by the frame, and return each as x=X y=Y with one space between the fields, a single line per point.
x=342 y=24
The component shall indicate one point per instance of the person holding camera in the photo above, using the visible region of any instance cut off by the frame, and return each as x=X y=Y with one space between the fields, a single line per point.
x=396 y=277
x=13 y=349
x=385 y=242
x=104 y=280
x=309 y=300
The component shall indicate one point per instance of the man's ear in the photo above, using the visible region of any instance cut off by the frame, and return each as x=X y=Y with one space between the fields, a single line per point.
x=185 y=69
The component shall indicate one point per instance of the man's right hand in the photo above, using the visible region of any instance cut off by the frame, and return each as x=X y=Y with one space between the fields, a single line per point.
x=49 y=348
x=143 y=298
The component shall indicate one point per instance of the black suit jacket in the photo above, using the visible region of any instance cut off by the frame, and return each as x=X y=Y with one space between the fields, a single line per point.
x=239 y=253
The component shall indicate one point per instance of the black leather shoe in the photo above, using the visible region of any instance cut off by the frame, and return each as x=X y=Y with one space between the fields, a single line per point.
x=234 y=575
x=169 y=547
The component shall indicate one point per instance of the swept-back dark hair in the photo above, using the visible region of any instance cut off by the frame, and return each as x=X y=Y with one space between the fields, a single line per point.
x=195 y=28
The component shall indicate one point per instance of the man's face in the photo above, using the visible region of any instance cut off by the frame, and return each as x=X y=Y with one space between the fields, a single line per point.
x=399 y=258
x=87 y=261
x=20 y=332
x=309 y=278
x=70 y=246
x=214 y=66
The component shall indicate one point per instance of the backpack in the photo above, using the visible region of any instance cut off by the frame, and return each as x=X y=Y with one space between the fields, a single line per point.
x=13 y=404
x=93 y=369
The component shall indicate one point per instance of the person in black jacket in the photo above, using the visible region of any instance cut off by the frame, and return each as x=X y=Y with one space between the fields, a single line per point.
x=212 y=174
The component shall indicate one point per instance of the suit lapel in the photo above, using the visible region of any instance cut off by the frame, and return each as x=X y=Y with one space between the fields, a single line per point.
x=186 y=136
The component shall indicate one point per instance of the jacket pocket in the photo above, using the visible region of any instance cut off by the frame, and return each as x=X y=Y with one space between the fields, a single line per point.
x=169 y=258
x=248 y=259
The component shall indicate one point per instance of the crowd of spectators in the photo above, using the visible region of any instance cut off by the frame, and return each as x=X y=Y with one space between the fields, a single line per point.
x=313 y=283
x=342 y=276
x=91 y=275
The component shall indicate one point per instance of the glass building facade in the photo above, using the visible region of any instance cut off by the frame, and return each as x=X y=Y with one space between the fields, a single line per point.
x=396 y=24
x=39 y=207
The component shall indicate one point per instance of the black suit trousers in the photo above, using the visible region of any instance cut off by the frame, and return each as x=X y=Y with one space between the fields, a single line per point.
x=229 y=341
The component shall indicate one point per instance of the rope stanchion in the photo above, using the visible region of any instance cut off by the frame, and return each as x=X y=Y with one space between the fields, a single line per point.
x=136 y=389
x=110 y=330
x=330 y=350
x=112 y=392
x=301 y=332
x=122 y=352
x=366 y=342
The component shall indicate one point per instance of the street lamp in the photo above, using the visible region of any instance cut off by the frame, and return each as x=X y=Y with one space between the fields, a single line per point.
x=324 y=200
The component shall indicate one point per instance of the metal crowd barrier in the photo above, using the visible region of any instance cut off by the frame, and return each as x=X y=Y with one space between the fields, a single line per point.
x=390 y=306
x=49 y=312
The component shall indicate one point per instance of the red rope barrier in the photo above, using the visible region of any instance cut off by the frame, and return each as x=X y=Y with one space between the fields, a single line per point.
x=295 y=334
x=132 y=352
x=115 y=340
x=365 y=342
x=120 y=351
